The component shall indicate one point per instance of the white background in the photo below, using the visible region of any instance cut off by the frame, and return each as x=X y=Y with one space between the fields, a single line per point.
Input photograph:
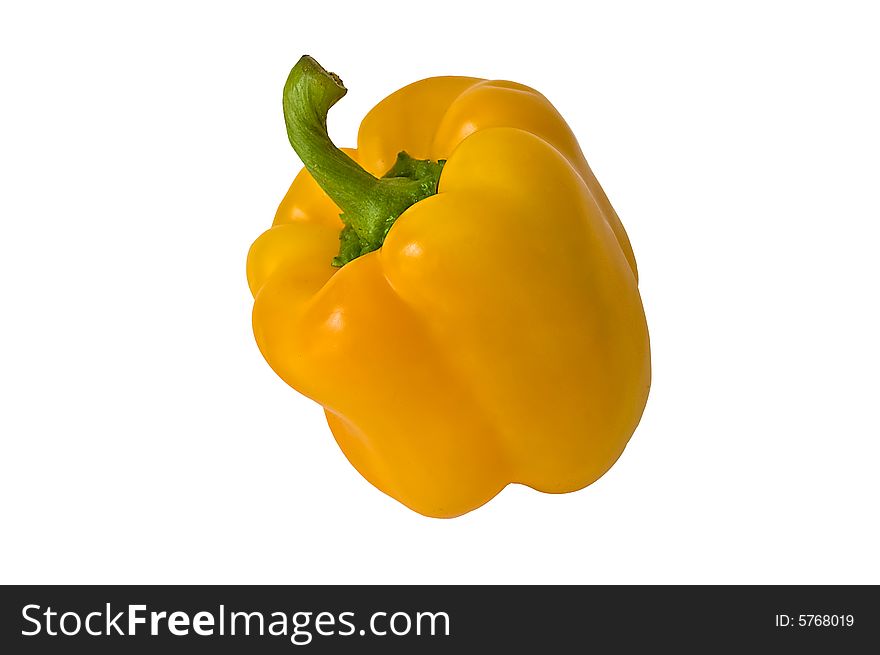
x=145 y=440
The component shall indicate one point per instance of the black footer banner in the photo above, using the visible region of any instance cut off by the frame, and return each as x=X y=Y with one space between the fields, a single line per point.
x=446 y=619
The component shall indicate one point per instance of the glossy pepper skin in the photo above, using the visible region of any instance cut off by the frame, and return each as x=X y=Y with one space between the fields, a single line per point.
x=496 y=337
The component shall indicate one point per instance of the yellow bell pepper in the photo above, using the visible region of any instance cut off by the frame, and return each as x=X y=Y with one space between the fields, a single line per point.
x=473 y=319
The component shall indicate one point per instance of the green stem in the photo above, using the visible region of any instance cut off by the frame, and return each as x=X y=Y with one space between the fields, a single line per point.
x=369 y=205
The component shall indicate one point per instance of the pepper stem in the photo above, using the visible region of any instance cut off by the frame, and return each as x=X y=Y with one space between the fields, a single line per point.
x=369 y=205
